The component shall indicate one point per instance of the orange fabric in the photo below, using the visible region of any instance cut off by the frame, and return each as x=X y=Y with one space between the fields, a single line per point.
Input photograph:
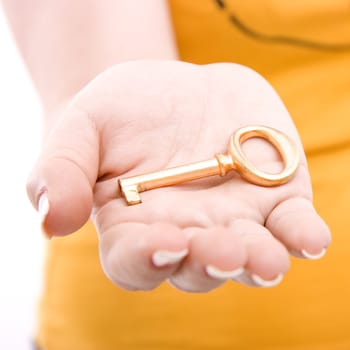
x=310 y=310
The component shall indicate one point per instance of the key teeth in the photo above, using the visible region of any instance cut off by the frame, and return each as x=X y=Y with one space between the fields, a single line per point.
x=131 y=194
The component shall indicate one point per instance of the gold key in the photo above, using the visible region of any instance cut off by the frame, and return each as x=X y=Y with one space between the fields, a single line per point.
x=220 y=165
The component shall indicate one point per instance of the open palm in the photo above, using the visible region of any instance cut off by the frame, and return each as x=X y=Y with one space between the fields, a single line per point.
x=144 y=116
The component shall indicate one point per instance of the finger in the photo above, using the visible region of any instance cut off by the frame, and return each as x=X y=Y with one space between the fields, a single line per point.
x=267 y=259
x=61 y=183
x=138 y=256
x=215 y=256
x=297 y=225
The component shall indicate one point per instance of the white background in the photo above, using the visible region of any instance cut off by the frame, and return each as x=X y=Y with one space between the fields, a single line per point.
x=21 y=243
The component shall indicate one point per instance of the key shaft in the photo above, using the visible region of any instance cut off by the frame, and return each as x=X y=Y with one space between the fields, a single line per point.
x=132 y=186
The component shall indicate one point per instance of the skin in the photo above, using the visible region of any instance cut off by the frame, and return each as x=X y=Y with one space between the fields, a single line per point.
x=147 y=112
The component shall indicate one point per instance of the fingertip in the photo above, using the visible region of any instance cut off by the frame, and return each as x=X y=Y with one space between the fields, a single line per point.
x=227 y=251
x=296 y=224
x=268 y=259
x=216 y=255
x=137 y=256
x=63 y=201
x=266 y=256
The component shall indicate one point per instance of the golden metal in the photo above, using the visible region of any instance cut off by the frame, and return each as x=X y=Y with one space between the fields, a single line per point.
x=221 y=165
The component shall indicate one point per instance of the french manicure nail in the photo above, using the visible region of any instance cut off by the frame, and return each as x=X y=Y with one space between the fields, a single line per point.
x=253 y=280
x=165 y=257
x=267 y=283
x=43 y=205
x=220 y=274
x=43 y=210
x=313 y=256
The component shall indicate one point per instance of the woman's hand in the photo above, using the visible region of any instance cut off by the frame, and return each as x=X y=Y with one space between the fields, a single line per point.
x=144 y=116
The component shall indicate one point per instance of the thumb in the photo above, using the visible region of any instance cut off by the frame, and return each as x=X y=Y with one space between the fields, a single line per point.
x=61 y=184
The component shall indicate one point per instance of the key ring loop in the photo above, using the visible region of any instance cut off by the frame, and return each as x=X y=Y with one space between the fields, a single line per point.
x=282 y=143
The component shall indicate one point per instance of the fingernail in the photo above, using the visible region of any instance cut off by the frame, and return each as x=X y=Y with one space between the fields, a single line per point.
x=267 y=283
x=43 y=210
x=219 y=274
x=165 y=257
x=313 y=256
x=253 y=280
x=43 y=206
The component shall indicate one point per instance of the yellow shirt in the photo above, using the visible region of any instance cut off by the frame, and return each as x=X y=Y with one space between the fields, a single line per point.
x=303 y=49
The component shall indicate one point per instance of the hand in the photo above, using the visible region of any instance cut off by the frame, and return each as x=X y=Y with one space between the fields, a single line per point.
x=144 y=116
